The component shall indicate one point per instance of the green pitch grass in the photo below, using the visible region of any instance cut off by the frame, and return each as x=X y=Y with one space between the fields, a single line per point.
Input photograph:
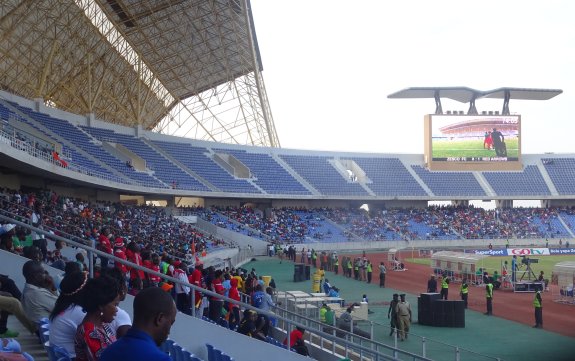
x=545 y=264
x=470 y=148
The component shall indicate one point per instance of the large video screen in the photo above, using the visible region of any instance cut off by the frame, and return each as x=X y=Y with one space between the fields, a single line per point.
x=475 y=138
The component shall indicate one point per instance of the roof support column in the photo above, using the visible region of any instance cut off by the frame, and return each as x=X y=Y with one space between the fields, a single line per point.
x=438 y=108
x=507 y=96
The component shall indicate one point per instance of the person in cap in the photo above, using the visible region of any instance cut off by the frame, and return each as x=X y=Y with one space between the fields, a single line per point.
x=403 y=310
x=538 y=305
x=392 y=313
x=6 y=243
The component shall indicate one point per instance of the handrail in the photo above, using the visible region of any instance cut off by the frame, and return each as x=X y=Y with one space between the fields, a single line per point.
x=348 y=346
x=18 y=144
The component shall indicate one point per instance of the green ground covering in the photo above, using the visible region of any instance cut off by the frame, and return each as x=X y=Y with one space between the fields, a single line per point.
x=491 y=336
x=470 y=148
x=493 y=263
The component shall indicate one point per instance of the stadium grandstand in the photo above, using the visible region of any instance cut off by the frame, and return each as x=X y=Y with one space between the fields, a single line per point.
x=149 y=120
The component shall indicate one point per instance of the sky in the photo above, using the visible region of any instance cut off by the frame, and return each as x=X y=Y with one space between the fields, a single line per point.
x=330 y=65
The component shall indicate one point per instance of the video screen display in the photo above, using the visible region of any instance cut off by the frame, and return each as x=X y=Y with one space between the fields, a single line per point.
x=475 y=138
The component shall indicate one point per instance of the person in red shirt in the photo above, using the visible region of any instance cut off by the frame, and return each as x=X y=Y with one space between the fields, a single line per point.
x=153 y=263
x=216 y=304
x=136 y=275
x=197 y=280
x=119 y=251
x=234 y=309
x=294 y=336
x=104 y=245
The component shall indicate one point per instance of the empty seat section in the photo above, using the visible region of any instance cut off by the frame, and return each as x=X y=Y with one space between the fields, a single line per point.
x=528 y=182
x=323 y=176
x=271 y=176
x=450 y=184
x=196 y=159
x=389 y=177
x=163 y=168
x=562 y=172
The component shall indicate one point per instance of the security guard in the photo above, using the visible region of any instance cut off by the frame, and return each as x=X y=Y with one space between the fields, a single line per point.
x=444 y=286
x=336 y=264
x=489 y=296
x=464 y=291
x=538 y=304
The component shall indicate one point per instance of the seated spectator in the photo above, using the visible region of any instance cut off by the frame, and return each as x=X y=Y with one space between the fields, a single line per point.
x=99 y=298
x=39 y=295
x=122 y=322
x=154 y=315
x=8 y=289
x=295 y=335
x=345 y=321
x=251 y=326
x=67 y=314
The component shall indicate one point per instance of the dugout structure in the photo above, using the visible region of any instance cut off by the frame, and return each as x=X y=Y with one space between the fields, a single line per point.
x=563 y=277
x=458 y=265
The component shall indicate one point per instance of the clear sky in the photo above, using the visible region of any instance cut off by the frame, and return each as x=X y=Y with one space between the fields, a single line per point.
x=330 y=65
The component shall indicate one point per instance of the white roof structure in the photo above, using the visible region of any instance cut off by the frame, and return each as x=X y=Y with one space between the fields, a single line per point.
x=188 y=68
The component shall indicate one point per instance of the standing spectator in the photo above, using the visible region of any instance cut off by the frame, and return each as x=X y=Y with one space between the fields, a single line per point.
x=216 y=304
x=104 y=245
x=392 y=313
x=382 y=272
x=489 y=297
x=182 y=291
x=369 y=269
x=432 y=284
x=154 y=315
x=234 y=308
x=464 y=292
x=444 y=286
x=136 y=275
x=403 y=317
x=99 y=299
x=39 y=295
x=538 y=305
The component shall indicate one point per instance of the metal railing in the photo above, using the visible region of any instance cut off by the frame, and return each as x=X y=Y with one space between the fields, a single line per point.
x=346 y=346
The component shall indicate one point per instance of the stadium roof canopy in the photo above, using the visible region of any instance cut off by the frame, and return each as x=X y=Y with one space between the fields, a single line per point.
x=469 y=95
x=160 y=64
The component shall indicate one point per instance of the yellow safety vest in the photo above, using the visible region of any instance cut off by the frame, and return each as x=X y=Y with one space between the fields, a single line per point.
x=536 y=302
x=489 y=291
x=464 y=288
x=444 y=283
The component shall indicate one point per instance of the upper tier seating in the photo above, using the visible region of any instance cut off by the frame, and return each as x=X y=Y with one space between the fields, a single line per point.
x=454 y=184
x=323 y=176
x=195 y=158
x=528 y=182
x=562 y=172
x=389 y=177
x=163 y=168
x=271 y=176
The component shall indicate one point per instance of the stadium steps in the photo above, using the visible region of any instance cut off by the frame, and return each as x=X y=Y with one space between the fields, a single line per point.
x=565 y=225
x=29 y=343
x=484 y=184
x=294 y=174
x=417 y=179
x=549 y=182
x=336 y=164
x=180 y=165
